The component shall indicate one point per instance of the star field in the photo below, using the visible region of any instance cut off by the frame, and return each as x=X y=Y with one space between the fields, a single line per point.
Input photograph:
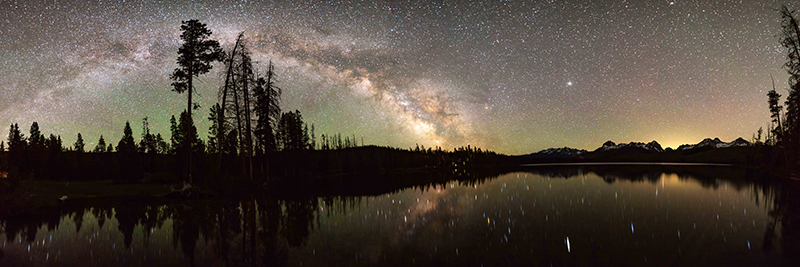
x=511 y=76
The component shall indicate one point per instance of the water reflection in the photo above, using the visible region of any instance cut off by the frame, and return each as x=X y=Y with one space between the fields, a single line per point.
x=562 y=215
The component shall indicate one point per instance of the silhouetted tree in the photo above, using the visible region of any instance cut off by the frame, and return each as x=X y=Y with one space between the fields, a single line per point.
x=78 y=146
x=213 y=145
x=176 y=137
x=790 y=38
x=53 y=162
x=231 y=143
x=775 y=110
x=162 y=147
x=110 y=148
x=267 y=110
x=186 y=125
x=54 y=143
x=36 y=149
x=36 y=139
x=240 y=84
x=292 y=132
x=16 y=140
x=229 y=85
x=194 y=58
x=127 y=144
x=2 y=146
x=313 y=143
x=101 y=145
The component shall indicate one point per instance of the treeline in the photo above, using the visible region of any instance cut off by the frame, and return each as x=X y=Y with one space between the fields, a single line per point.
x=250 y=138
x=781 y=142
x=154 y=159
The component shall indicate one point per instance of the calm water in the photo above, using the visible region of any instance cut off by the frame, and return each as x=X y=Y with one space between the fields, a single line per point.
x=569 y=215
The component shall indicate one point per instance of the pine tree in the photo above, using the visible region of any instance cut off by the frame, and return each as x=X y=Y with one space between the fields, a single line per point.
x=292 y=133
x=78 y=146
x=313 y=138
x=267 y=110
x=194 y=58
x=16 y=140
x=775 y=110
x=790 y=39
x=54 y=144
x=36 y=140
x=186 y=125
x=101 y=145
x=163 y=147
x=214 y=131
x=127 y=144
x=176 y=137
x=148 y=142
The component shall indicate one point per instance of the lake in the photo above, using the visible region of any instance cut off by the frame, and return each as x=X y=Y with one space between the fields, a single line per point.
x=607 y=215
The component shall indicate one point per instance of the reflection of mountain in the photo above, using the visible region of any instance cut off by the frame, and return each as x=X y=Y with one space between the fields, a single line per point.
x=708 y=176
x=782 y=201
x=706 y=151
x=262 y=231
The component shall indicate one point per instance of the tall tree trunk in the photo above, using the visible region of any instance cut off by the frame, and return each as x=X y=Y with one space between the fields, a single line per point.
x=247 y=110
x=186 y=134
x=221 y=119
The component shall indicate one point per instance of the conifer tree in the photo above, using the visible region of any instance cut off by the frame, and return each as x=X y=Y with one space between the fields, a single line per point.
x=790 y=39
x=176 y=137
x=78 y=146
x=16 y=140
x=101 y=145
x=36 y=140
x=127 y=144
x=194 y=58
x=267 y=110
x=54 y=144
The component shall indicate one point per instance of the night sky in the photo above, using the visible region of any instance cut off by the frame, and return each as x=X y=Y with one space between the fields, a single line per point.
x=511 y=76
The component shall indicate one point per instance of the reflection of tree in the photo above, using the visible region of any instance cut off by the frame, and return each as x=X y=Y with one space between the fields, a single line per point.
x=260 y=230
x=784 y=208
x=128 y=217
x=275 y=250
x=781 y=200
x=78 y=218
x=299 y=217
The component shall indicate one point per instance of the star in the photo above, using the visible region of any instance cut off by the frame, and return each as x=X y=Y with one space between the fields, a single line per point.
x=401 y=73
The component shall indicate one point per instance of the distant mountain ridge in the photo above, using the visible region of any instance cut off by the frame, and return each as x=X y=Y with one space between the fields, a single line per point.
x=633 y=147
x=716 y=143
x=653 y=146
x=564 y=152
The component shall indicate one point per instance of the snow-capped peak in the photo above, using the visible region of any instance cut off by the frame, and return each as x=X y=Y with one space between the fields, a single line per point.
x=652 y=146
x=559 y=152
x=716 y=143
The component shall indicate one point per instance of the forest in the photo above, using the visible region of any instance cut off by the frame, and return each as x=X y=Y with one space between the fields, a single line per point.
x=779 y=152
x=251 y=141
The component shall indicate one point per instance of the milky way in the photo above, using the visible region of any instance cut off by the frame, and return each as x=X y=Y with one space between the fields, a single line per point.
x=510 y=76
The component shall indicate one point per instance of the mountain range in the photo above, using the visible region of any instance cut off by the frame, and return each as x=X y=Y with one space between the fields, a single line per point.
x=610 y=147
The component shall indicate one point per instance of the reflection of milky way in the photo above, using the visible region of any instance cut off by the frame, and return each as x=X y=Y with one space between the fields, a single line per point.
x=512 y=76
x=434 y=213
